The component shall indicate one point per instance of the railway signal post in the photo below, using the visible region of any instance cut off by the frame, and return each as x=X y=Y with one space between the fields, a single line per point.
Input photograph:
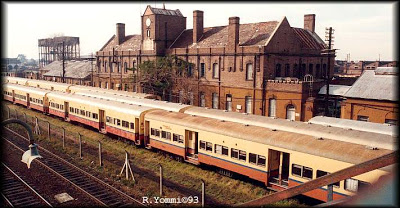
x=63 y=137
x=161 y=180
x=100 y=156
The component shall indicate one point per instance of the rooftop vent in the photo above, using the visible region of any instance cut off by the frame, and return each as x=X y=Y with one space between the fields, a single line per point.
x=320 y=138
x=273 y=129
x=371 y=148
x=246 y=125
x=222 y=120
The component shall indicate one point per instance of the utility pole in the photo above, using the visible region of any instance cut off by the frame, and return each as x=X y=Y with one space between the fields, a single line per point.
x=328 y=37
x=63 y=63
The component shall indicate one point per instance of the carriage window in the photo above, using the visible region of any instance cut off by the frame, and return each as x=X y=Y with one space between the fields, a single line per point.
x=296 y=170
x=351 y=185
x=175 y=138
x=107 y=119
x=61 y=106
x=157 y=132
x=209 y=146
x=218 y=149
x=202 y=144
x=242 y=155
x=235 y=153
x=180 y=139
x=252 y=158
x=163 y=134
x=132 y=125
x=82 y=112
x=168 y=135
x=224 y=150
x=71 y=109
x=153 y=132
x=321 y=173
x=307 y=172
x=261 y=160
x=95 y=116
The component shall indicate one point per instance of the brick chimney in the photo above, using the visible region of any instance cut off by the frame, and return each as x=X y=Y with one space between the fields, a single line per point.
x=233 y=33
x=120 y=35
x=309 y=22
x=197 y=25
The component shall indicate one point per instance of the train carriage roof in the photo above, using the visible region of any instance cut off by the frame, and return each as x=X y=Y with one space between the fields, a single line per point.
x=315 y=130
x=13 y=80
x=125 y=108
x=168 y=106
x=27 y=89
x=82 y=88
x=328 y=148
x=35 y=81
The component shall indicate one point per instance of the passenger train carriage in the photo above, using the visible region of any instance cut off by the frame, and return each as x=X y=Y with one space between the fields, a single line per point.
x=30 y=97
x=277 y=152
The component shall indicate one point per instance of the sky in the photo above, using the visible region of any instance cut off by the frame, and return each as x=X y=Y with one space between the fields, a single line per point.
x=366 y=31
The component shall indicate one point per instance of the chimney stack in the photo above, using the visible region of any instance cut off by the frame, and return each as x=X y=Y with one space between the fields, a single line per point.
x=233 y=33
x=120 y=35
x=309 y=22
x=197 y=25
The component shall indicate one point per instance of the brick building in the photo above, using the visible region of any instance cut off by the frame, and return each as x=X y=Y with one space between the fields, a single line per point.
x=250 y=68
x=351 y=68
x=373 y=97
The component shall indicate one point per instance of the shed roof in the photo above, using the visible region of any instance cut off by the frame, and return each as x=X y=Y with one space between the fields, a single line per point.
x=338 y=150
x=73 y=69
x=375 y=86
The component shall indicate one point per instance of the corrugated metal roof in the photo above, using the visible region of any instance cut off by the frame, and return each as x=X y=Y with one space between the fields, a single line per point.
x=356 y=125
x=333 y=149
x=339 y=90
x=386 y=71
x=315 y=130
x=374 y=86
x=73 y=69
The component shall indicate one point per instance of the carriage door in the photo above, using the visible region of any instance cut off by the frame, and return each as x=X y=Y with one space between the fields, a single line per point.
x=13 y=96
x=28 y=103
x=278 y=167
x=191 y=144
x=102 y=123
x=66 y=109
x=146 y=139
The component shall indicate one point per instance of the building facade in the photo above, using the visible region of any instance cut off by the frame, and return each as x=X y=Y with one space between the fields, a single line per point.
x=261 y=68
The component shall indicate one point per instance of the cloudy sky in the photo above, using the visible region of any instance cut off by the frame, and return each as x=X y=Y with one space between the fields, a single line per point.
x=365 y=30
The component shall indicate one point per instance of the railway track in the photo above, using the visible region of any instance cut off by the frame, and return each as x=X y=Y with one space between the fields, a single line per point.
x=17 y=193
x=99 y=191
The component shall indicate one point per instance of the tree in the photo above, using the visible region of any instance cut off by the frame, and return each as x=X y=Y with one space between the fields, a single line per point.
x=161 y=76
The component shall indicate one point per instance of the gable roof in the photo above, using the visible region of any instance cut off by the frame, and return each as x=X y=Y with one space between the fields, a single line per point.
x=131 y=42
x=375 y=86
x=249 y=34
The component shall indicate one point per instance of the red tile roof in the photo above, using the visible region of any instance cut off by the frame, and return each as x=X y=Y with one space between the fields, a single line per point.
x=249 y=34
x=310 y=40
x=131 y=42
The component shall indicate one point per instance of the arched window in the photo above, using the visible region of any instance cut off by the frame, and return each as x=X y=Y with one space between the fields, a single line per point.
x=126 y=67
x=317 y=71
x=111 y=67
x=272 y=108
x=202 y=99
x=215 y=70
x=311 y=69
x=105 y=66
x=278 y=70
x=290 y=112
x=296 y=71
x=249 y=71
x=287 y=70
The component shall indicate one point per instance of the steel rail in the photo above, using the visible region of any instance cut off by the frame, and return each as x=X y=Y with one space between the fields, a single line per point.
x=111 y=188
x=25 y=184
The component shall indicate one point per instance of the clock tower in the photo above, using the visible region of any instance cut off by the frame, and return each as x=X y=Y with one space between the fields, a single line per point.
x=160 y=28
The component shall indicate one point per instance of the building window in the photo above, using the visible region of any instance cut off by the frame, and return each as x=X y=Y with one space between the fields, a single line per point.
x=296 y=71
x=287 y=70
x=248 y=104
x=324 y=70
x=321 y=173
x=317 y=70
x=148 y=33
x=290 y=112
x=278 y=70
x=272 y=108
x=228 y=102
x=126 y=87
x=119 y=67
x=363 y=118
x=202 y=99
x=106 y=85
x=202 y=70
x=302 y=70
x=126 y=67
x=215 y=70
x=111 y=67
x=311 y=69
x=249 y=71
x=105 y=66
x=215 y=100
x=189 y=70
x=112 y=85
